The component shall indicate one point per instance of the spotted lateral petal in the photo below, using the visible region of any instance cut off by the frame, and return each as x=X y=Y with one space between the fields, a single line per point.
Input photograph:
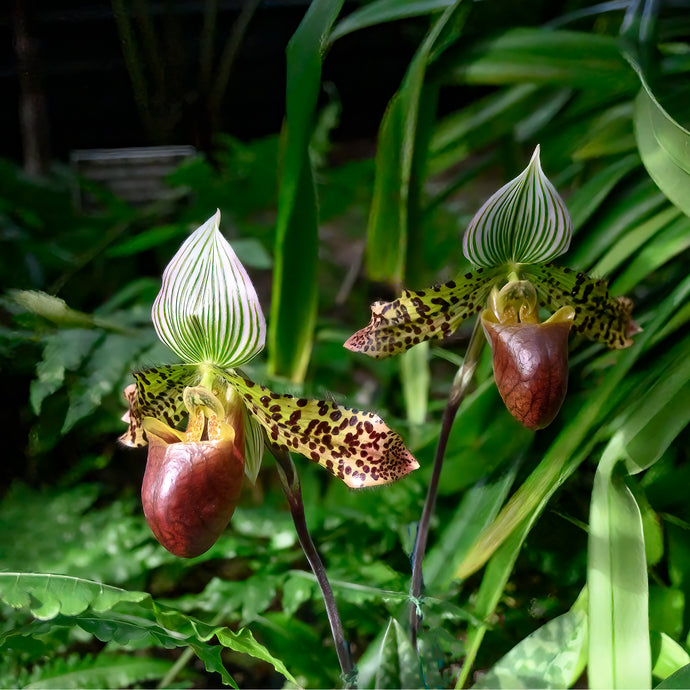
x=598 y=315
x=353 y=445
x=524 y=222
x=157 y=393
x=423 y=315
x=207 y=309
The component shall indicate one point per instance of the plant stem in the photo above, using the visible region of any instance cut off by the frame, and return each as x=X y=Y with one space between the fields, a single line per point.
x=457 y=394
x=293 y=492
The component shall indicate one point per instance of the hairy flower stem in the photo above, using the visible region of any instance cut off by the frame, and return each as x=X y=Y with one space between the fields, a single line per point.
x=457 y=394
x=293 y=493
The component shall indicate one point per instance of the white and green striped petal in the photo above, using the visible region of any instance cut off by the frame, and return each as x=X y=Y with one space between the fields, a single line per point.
x=524 y=222
x=207 y=309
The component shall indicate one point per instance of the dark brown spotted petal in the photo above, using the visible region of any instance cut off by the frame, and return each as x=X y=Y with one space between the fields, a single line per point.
x=157 y=393
x=598 y=316
x=417 y=316
x=353 y=445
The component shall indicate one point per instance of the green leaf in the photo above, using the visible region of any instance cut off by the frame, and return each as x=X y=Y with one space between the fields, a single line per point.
x=680 y=680
x=669 y=656
x=551 y=657
x=415 y=379
x=401 y=156
x=63 y=351
x=103 y=671
x=120 y=615
x=294 y=298
x=398 y=662
x=382 y=11
x=664 y=146
x=619 y=646
x=207 y=309
x=524 y=222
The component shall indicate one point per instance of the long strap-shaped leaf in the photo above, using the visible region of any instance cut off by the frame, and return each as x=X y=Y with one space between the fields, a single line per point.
x=294 y=299
x=400 y=151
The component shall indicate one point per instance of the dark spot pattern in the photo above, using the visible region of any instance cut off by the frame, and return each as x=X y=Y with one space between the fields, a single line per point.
x=423 y=315
x=157 y=392
x=334 y=436
x=598 y=315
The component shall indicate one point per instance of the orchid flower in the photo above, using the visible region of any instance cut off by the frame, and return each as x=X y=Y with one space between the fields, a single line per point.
x=512 y=241
x=208 y=313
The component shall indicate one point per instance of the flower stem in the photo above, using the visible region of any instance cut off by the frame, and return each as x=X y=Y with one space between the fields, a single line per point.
x=293 y=492
x=457 y=394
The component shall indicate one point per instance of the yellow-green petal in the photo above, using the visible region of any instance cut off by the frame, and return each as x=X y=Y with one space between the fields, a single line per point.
x=598 y=315
x=355 y=446
x=423 y=315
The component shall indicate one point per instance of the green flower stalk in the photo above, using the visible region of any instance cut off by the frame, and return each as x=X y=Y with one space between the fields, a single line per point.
x=208 y=313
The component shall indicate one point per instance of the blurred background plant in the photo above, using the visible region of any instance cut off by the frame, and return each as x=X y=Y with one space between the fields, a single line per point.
x=531 y=580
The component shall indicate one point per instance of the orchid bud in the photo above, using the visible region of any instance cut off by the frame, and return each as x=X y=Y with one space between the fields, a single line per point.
x=530 y=359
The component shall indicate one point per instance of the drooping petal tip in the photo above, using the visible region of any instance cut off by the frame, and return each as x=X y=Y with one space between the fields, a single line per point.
x=207 y=309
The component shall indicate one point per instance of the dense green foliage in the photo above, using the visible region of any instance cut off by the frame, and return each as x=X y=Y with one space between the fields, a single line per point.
x=539 y=539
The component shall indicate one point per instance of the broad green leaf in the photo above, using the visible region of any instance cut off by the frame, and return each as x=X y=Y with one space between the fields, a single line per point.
x=207 y=310
x=401 y=156
x=680 y=680
x=355 y=446
x=382 y=11
x=423 y=314
x=398 y=662
x=664 y=146
x=116 y=614
x=524 y=222
x=619 y=646
x=294 y=298
x=552 y=656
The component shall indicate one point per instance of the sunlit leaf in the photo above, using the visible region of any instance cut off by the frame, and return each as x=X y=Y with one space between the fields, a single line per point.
x=525 y=221
x=207 y=309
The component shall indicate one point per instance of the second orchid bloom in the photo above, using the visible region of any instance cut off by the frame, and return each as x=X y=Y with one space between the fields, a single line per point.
x=208 y=313
x=511 y=240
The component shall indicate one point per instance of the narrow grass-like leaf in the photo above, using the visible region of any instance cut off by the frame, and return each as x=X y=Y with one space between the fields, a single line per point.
x=207 y=309
x=401 y=155
x=415 y=379
x=294 y=298
x=382 y=11
x=619 y=646
x=525 y=221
